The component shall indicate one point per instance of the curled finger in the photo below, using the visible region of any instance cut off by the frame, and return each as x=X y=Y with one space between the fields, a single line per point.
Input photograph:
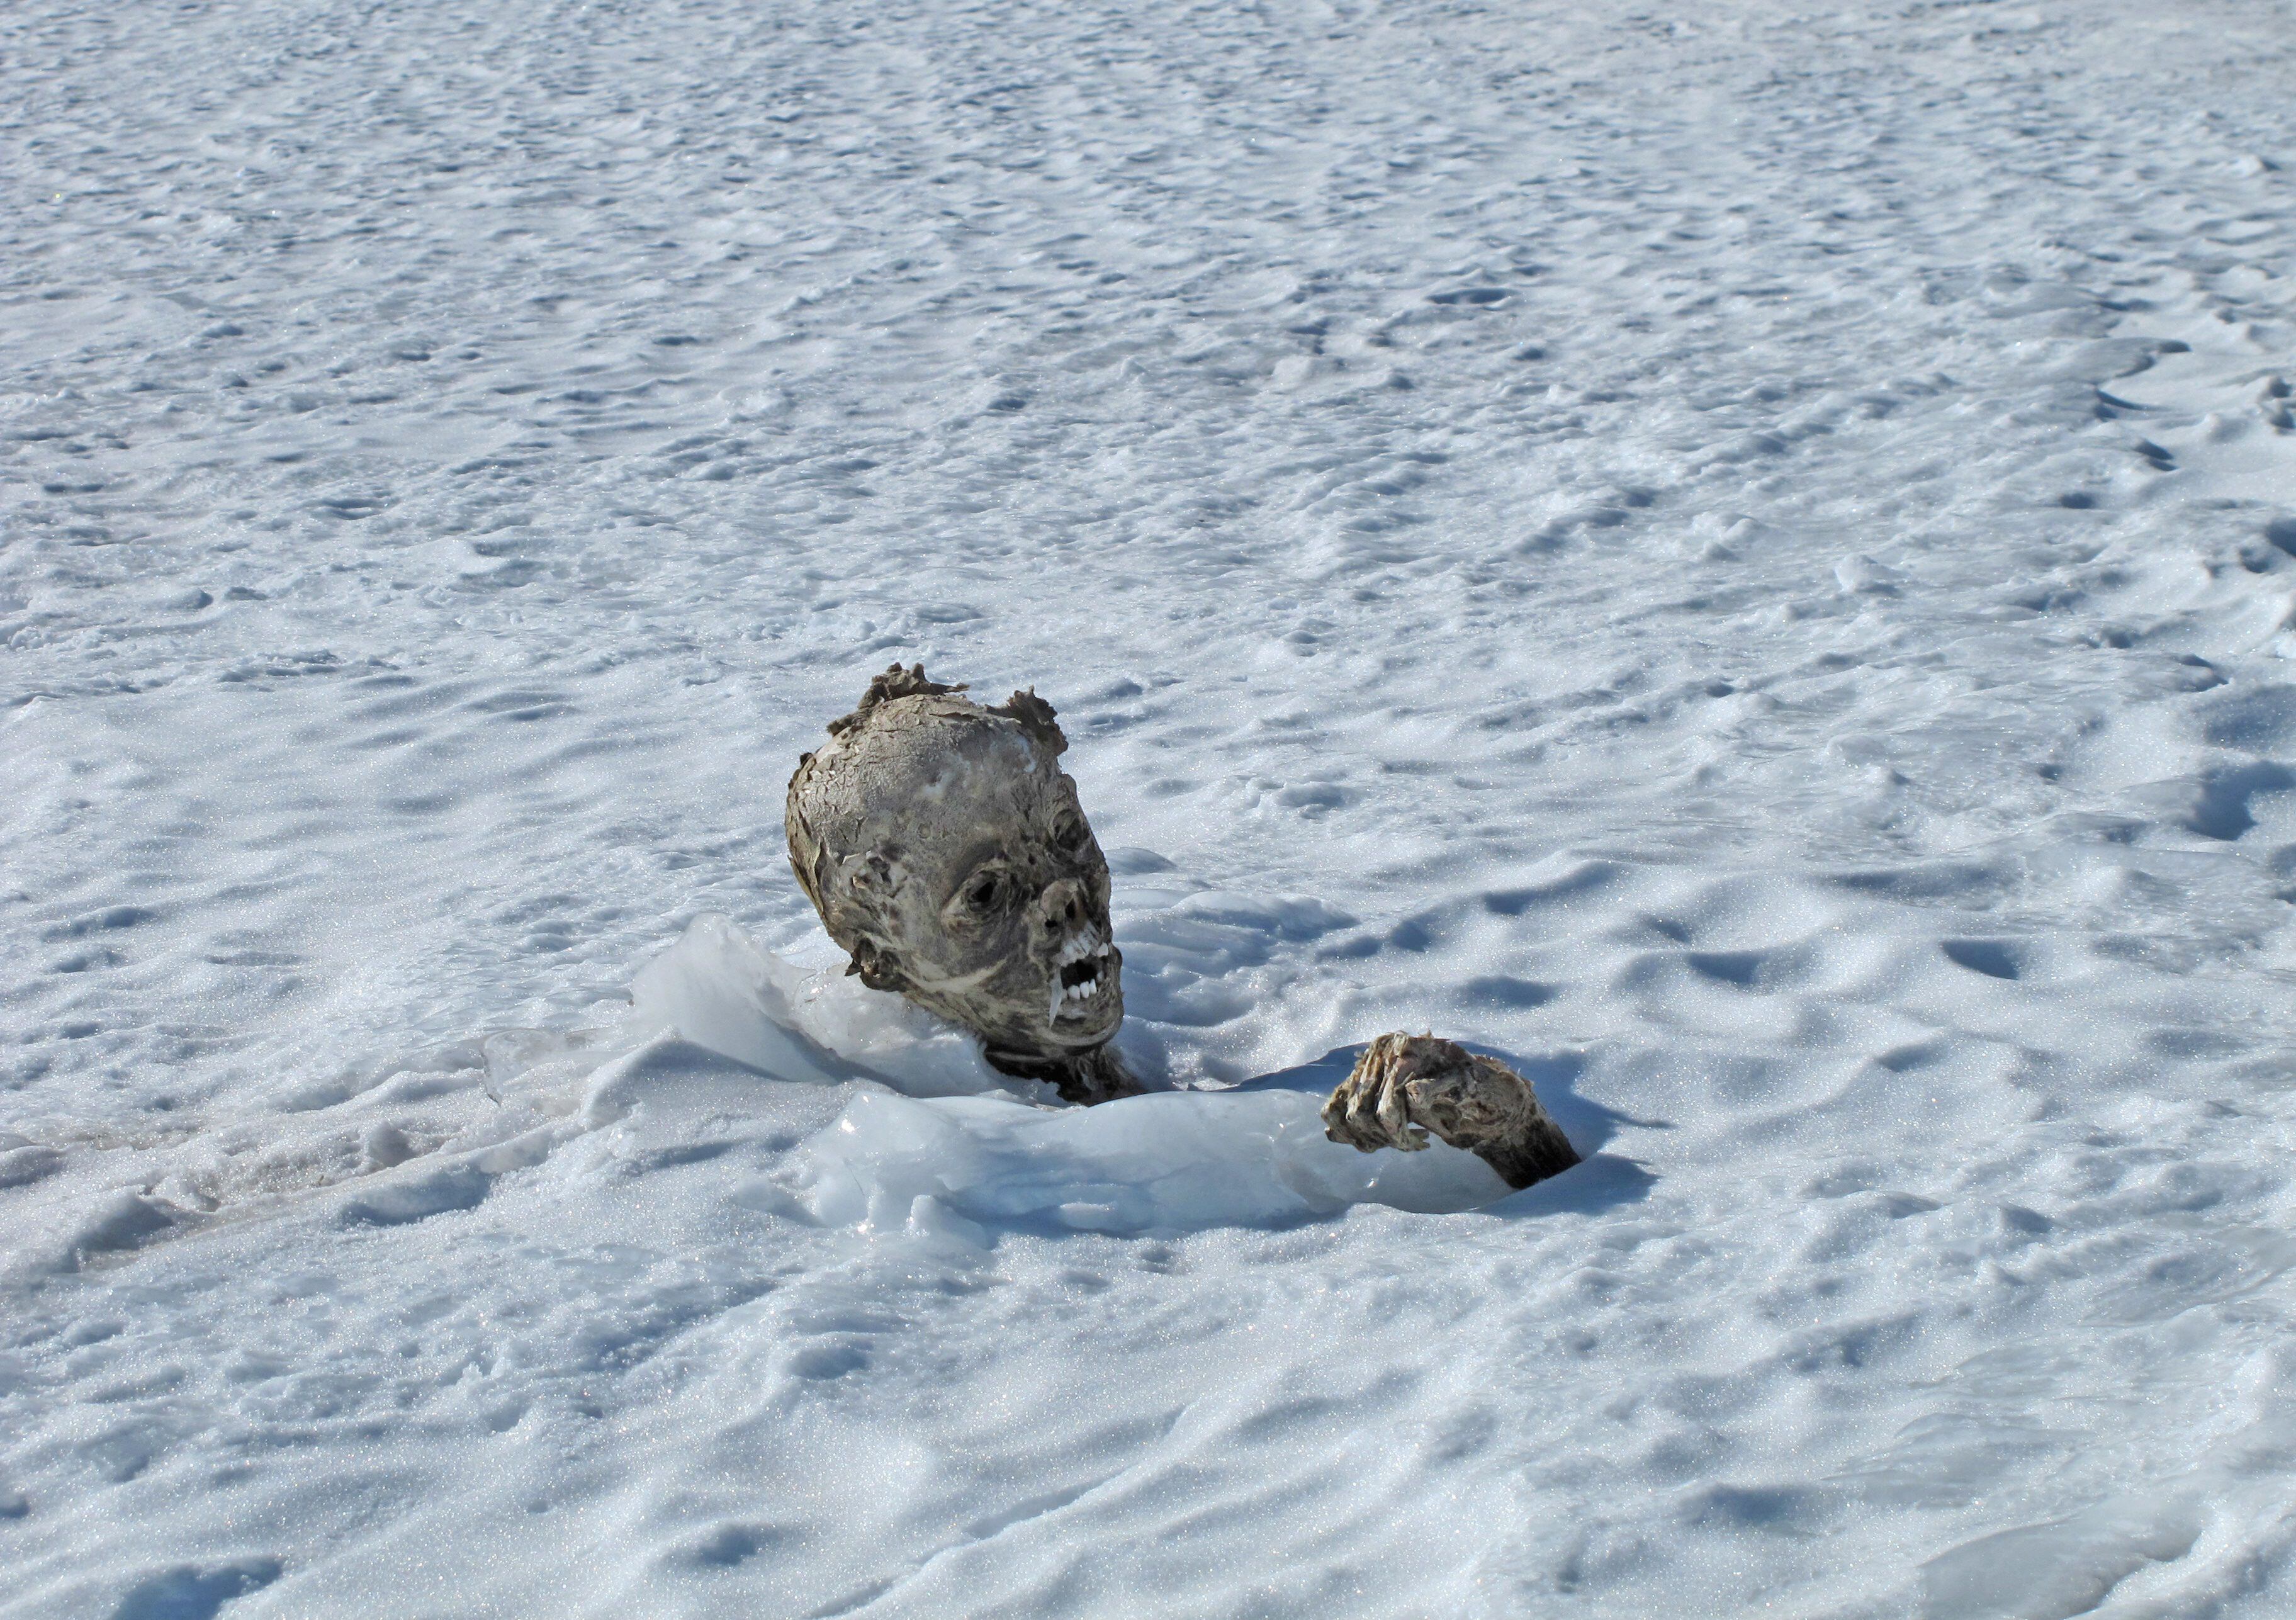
x=1394 y=1111
x=1362 y=1114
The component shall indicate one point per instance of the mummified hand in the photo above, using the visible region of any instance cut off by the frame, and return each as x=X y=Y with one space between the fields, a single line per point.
x=1406 y=1085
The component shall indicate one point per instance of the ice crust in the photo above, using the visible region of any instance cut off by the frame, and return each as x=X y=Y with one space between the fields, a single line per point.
x=1168 y=1163
x=1174 y=1161
x=1739 y=556
x=719 y=990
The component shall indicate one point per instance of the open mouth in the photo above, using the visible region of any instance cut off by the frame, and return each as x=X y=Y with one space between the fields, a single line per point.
x=1086 y=968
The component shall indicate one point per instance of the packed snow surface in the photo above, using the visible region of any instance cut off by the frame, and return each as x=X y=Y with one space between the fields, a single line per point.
x=1741 y=556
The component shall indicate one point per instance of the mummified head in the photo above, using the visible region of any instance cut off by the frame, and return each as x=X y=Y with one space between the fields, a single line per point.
x=947 y=851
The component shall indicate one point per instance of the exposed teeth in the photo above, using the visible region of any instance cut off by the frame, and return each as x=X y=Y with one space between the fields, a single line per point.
x=1073 y=998
x=1081 y=946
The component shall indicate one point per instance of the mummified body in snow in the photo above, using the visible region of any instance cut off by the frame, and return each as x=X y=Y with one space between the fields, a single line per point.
x=946 y=851
x=948 y=854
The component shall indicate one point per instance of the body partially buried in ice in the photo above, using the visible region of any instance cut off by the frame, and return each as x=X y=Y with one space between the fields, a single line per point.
x=950 y=855
x=950 y=860
x=934 y=1139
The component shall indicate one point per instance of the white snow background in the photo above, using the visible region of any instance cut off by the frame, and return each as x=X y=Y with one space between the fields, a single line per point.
x=1739 y=555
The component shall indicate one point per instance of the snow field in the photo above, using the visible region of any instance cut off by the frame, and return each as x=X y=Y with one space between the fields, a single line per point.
x=1738 y=556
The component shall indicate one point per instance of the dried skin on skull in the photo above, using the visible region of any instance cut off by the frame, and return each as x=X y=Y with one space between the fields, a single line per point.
x=1406 y=1085
x=947 y=853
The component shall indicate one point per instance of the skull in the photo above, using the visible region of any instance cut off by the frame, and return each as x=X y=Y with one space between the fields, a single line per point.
x=948 y=854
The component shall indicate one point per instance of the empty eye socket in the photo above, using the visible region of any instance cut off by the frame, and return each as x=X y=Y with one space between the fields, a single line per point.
x=984 y=891
x=1069 y=832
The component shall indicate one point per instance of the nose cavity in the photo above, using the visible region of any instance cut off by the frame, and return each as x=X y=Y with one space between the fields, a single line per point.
x=1060 y=908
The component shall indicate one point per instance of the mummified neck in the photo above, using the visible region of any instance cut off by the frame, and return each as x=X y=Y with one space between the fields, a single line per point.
x=1095 y=1076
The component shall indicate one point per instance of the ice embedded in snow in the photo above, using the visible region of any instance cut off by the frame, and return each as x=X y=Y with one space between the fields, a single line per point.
x=718 y=989
x=1171 y=1161
x=952 y=1146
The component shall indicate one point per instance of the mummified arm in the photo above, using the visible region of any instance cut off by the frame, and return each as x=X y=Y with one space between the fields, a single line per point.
x=1406 y=1085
